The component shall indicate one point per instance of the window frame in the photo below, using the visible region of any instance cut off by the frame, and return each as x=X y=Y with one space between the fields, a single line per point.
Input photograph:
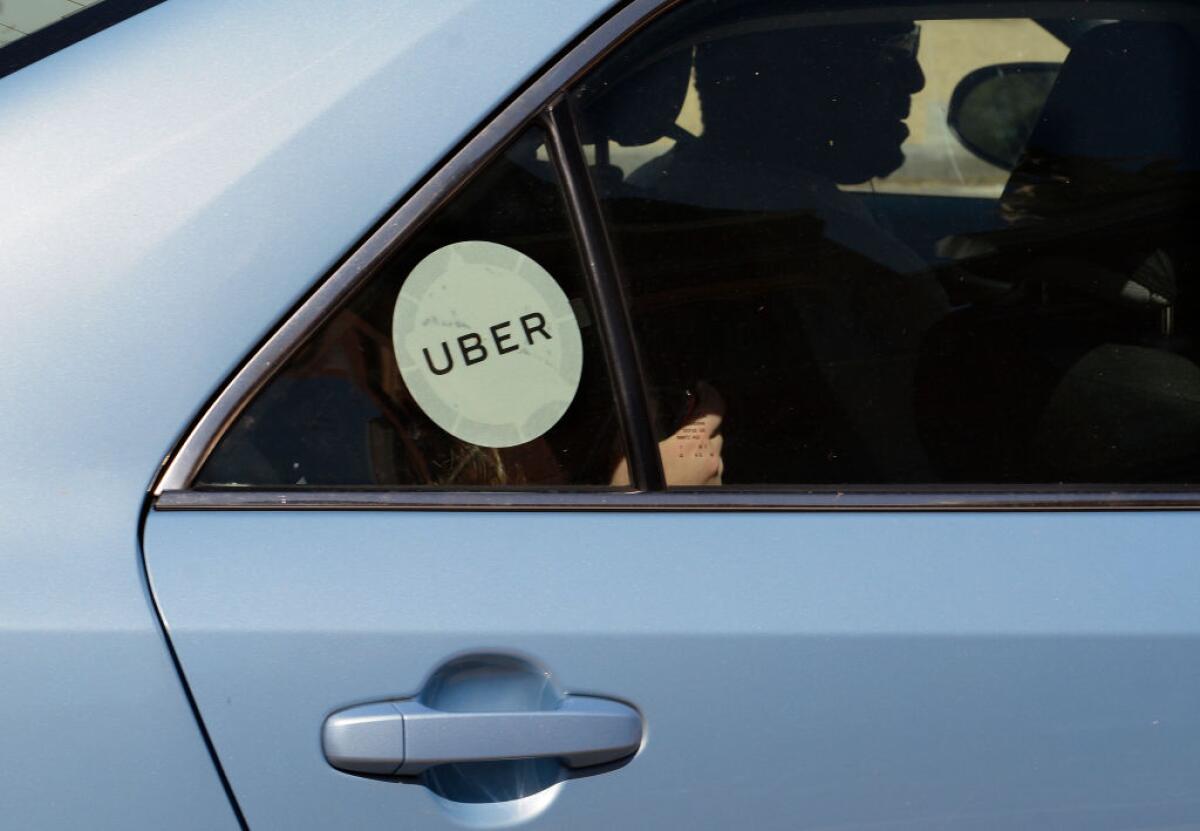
x=545 y=102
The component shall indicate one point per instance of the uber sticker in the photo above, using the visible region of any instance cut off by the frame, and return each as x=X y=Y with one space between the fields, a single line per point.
x=487 y=343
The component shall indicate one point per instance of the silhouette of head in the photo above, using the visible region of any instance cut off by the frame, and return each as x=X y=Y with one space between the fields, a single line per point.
x=827 y=100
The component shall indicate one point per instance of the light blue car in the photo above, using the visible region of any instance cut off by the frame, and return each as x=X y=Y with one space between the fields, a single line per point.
x=677 y=414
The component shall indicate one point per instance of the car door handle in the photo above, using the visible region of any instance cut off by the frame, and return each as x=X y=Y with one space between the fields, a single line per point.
x=404 y=738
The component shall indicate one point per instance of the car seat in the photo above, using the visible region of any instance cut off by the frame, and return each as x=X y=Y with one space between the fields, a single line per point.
x=1086 y=371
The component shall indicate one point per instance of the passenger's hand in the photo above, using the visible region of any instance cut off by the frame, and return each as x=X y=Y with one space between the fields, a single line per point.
x=692 y=455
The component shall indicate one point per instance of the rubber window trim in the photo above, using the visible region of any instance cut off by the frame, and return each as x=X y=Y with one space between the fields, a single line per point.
x=608 y=300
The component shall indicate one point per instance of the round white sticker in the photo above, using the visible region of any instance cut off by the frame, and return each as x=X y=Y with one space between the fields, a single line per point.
x=487 y=343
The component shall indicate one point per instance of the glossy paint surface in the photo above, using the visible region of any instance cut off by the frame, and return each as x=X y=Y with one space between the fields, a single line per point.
x=174 y=184
x=900 y=671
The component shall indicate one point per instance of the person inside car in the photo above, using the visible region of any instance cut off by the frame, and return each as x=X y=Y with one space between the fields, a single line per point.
x=791 y=114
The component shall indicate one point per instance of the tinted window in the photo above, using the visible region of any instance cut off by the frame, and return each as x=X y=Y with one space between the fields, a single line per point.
x=344 y=411
x=831 y=284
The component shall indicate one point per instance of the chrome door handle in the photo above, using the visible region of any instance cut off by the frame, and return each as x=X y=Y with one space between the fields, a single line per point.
x=404 y=738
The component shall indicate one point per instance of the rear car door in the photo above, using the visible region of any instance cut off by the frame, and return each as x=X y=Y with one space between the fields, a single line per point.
x=689 y=493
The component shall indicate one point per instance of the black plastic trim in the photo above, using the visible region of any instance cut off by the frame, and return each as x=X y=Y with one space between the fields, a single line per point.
x=566 y=150
x=70 y=30
x=716 y=499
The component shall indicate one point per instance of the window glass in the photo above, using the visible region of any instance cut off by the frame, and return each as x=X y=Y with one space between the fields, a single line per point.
x=19 y=18
x=888 y=251
x=468 y=359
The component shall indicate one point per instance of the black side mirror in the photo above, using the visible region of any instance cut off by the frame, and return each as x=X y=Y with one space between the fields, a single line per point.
x=994 y=109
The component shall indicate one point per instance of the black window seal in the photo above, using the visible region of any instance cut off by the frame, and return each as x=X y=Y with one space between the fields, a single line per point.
x=607 y=294
x=70 y=30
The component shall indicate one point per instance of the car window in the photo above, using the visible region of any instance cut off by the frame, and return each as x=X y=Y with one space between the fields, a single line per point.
x=469 y=358
x=894 y=251
x=24 y=17
x=935 y=162
x=32 y=29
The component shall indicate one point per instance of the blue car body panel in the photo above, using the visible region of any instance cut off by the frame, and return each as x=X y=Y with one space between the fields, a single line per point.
x=901 y=671
x=174 y=183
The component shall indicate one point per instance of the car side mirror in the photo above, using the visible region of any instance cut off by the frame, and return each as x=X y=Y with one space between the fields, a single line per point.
x=995 y=108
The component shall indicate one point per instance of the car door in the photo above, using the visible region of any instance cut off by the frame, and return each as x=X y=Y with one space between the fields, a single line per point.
x=687 y=496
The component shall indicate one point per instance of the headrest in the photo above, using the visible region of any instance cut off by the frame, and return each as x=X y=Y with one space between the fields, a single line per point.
x=1126 y=105
x=641 y=104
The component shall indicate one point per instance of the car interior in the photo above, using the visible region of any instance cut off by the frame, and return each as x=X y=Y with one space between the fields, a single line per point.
x=858 y=338
x=1059 y=350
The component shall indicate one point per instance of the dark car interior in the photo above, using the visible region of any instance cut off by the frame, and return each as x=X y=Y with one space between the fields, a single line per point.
x=1063 y=350
x=1046 y=337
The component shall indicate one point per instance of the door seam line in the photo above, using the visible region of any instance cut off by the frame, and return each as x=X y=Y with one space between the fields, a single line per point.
x=164 y=629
